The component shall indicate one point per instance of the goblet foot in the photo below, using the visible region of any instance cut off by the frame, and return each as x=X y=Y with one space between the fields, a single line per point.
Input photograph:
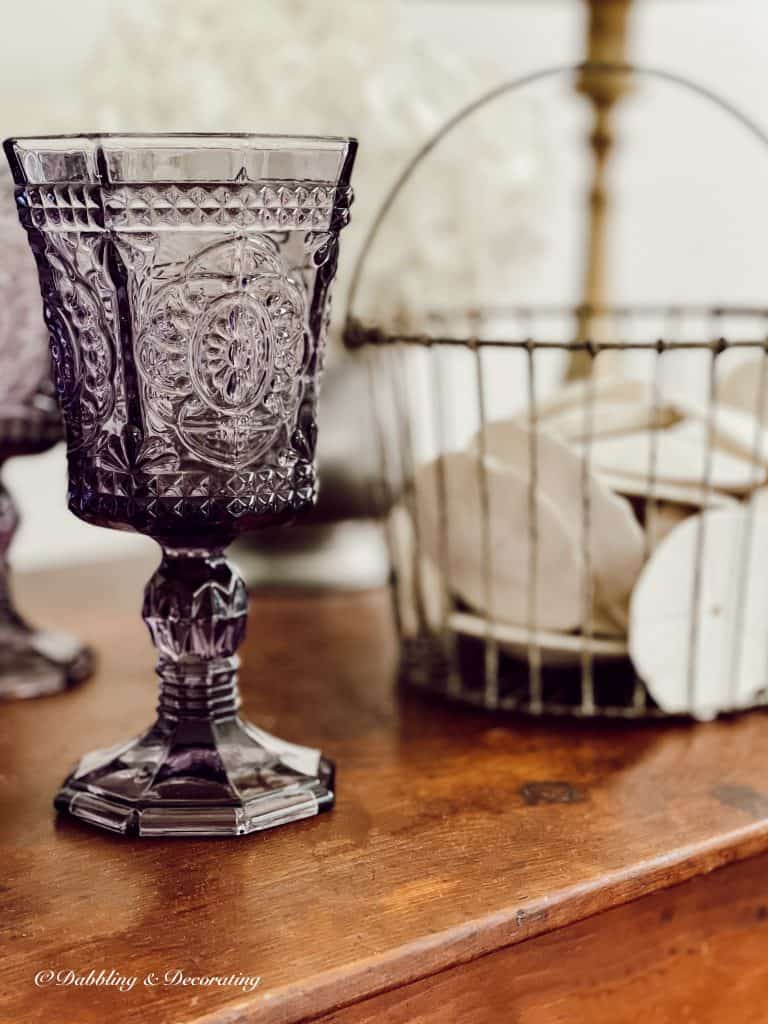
x=198 y=778
x=200 y=770
x=38 y=663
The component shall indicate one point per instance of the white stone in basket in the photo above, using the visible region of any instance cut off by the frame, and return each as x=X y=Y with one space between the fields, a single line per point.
x=733 y=430
x=730 y=638
x=605 y=418
x=740 y=388
x=758 y=500
x=559 y=576
x=615 y=537
x=679 y=459
x=614 y=390
x=679 y=494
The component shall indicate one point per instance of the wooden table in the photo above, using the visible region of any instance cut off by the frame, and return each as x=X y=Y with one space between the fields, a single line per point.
x=474 y=870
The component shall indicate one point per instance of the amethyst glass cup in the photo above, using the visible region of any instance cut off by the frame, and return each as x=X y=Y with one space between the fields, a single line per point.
x=33 y=662
x=185 y=283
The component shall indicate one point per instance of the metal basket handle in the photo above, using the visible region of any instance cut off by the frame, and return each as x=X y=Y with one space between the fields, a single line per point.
x=486 y=98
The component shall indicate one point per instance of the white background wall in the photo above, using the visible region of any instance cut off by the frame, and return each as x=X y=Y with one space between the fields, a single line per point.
x=720 y=43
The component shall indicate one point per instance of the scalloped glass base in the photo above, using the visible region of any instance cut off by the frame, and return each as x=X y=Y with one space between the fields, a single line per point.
x=37 y=663
x=196 y=777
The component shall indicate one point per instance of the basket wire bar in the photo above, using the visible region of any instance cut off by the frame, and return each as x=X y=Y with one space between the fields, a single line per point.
x=374 y=337
x=671 y=319
x=701 y=529
x=587 y=679
x=446 y=633
x=381 y=488
x=747 y=538
x=467 y=652
x=491 y=663
x=534 y=648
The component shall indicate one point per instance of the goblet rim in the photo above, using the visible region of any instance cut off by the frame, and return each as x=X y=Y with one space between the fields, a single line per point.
x=94 y=155
x=261 y=137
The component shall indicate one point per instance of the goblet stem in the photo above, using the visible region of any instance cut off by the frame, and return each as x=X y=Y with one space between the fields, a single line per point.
x=196 y=607
x=32 y=663
x=200 y=769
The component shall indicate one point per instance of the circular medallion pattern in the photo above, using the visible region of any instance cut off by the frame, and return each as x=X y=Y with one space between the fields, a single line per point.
x=222 y=351
x=232 y=354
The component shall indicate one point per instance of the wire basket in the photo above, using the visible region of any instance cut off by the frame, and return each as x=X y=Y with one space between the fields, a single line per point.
x=490 y=625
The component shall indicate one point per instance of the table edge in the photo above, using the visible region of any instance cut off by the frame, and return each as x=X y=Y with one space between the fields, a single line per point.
x=342 y=987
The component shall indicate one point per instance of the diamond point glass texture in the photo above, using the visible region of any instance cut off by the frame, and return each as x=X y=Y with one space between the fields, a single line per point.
x=185 y=282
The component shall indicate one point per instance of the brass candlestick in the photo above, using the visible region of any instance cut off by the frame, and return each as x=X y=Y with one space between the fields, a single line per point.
x=604 y=87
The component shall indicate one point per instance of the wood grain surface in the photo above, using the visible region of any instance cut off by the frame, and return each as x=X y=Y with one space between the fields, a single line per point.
x=455 y=834
x=695 y=952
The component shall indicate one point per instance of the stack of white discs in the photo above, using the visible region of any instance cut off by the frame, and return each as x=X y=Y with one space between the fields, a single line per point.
x=637 y=525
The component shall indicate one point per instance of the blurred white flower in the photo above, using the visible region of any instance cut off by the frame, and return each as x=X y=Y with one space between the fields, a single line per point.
x=357 y=67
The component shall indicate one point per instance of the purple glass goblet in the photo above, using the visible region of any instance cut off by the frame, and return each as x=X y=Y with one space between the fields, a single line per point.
x=185 y=282
x=33 y=662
